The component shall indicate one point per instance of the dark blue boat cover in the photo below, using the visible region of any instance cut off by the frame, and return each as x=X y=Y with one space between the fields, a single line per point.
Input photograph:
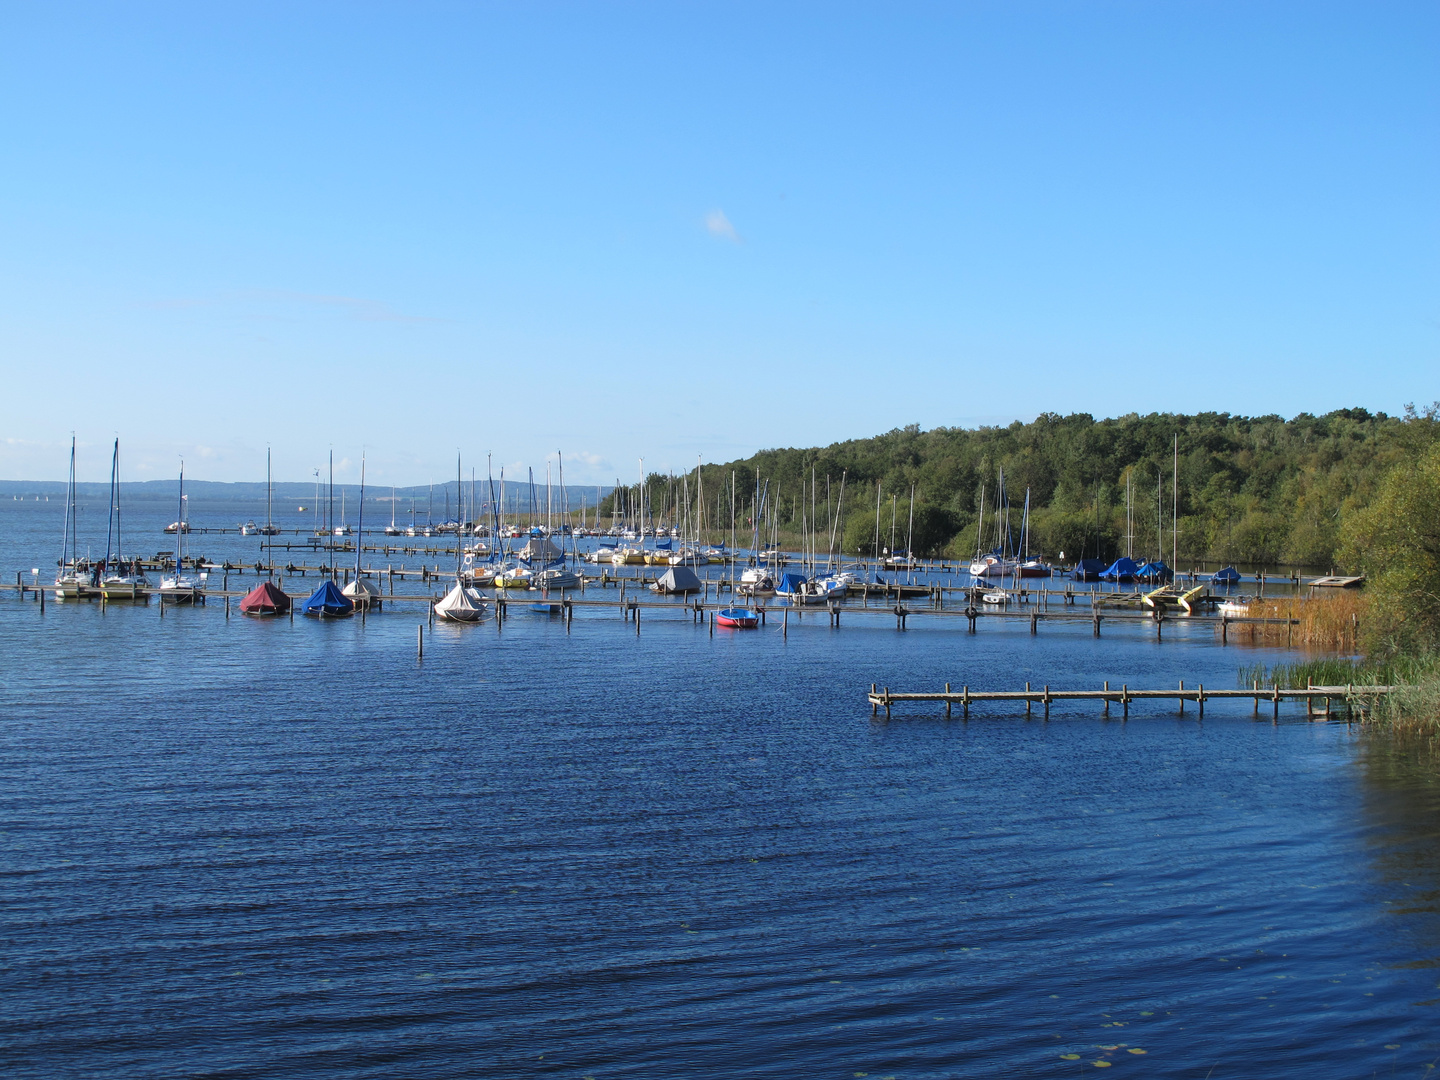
x=1089 y=569
x=1154 y=571
x=1122 y=569
x=329 y=599
x=1228 y=576
x=789 y=583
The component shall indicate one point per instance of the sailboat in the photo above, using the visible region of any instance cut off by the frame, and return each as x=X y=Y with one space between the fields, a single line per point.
x=999 y=562
x=69 y=581
x=118 y=581
x=556 y=575
x=392 y=529
x=342 y=529
x=360 y=592
x=463 y=602
x=1029 y=567
x=180 y=587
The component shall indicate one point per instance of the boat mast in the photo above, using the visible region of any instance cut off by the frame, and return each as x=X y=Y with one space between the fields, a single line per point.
x=180 y=523
x=69 y=504
x=110 y=521
x=1175 y=507
x=877 y=524
x=360 y=524
x=910 y=538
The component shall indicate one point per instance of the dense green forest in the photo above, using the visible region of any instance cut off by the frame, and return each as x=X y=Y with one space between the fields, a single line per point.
x=1250 y=489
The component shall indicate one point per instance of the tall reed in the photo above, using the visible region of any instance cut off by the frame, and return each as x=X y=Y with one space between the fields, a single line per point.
x=1331 y=621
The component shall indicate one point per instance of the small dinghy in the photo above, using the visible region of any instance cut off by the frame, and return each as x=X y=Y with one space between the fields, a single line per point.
x=738 y=618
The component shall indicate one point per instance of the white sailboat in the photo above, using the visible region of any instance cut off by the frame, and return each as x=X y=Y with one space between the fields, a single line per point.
x=463 y=602
x=180 y=587
x=70 y=582
x=392 y=529
x=360 y=592
x=119 y=580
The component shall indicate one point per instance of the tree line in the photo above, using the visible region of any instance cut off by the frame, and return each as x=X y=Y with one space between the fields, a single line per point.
x=1211 y=486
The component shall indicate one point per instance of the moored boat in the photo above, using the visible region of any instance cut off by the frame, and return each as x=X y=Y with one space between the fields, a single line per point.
x=328 y=602
x=265 y=599
x=737 y=618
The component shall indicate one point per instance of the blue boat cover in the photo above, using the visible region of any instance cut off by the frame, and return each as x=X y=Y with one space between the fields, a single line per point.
x=329 y=599
x=1122 y=569
x=662 y=545
x=1228 y=576
x=1154 y=571
x=789 y=583
x=1089 y=569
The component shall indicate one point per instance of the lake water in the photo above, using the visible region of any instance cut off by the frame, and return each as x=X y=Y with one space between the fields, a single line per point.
x=234 y=848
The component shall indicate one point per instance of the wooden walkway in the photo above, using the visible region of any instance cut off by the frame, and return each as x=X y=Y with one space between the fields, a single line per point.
x=1351 y=695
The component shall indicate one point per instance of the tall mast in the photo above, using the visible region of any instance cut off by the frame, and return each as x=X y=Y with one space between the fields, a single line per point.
x=1175 y=507
x=69 y=503
x=269 y=513
x=360 y=522
x=180 y=520
x=110 y=521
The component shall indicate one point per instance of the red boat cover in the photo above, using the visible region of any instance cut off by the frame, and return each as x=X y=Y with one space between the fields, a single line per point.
x=265 y=599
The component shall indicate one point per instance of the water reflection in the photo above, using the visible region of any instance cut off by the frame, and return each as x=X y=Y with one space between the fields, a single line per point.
x=1400 y=800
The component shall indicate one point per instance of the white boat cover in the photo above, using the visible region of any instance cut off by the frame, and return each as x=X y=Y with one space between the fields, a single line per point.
x=460 y=604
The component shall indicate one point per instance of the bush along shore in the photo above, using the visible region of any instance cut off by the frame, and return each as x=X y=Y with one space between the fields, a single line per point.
x=1394 y=637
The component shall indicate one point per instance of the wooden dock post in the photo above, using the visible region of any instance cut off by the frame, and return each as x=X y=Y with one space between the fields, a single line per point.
x=1096 y=617
x=873 y=706
x=887 y=703
x=637 y=619
x=1034 y=623
x=785 y=633
x=1047 y=701
x=1224 y=629
x=420 y=642
x=1125 y=700
x=227 y=607
x=1027 y=701
x=965 y=701
x=1200 y=699
x=947 y=701
x=1276 y=688
x=1107 y=700
x=42 y=601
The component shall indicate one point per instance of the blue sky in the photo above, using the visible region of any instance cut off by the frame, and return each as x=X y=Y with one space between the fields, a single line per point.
x=676 y=230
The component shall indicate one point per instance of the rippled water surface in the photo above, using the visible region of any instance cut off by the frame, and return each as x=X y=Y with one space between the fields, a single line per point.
x=273 y=849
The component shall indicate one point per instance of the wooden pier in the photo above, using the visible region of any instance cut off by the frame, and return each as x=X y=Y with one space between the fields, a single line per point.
x=1352 y=695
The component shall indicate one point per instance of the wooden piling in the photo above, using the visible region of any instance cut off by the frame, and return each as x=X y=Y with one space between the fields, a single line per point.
x=420 y=642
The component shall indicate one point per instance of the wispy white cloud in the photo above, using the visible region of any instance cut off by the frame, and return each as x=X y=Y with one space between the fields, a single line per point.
x=718 y=225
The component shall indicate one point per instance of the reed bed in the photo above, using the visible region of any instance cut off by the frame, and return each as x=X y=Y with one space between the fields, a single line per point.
x=1326 y=622
x=1414 y=710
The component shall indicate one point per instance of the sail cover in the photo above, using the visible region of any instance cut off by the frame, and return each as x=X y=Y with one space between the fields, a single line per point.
x=679 y=579
x=539 y=549
x=265 y=599
x=1122 y=569
x=360 y=589
x=789 y=583
x=460 y=604
x=328 y=600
